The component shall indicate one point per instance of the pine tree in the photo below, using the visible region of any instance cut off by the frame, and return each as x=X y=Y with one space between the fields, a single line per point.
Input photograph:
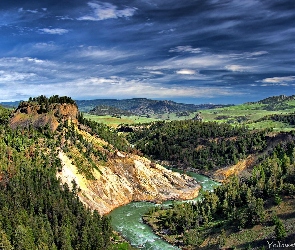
x=4 y=241
x=279 y=229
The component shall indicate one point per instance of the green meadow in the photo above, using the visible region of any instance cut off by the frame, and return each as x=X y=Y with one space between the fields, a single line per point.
x=115 y=121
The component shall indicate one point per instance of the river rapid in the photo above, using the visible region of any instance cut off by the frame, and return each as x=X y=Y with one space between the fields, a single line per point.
x=128 y=222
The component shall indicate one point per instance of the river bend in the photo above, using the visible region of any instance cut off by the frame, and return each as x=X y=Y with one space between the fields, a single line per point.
x=127 y=220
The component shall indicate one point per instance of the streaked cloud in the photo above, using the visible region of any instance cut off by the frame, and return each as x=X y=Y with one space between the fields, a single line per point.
x=103 y=53
x=115 y=87
x=9 y=77
x=188 y=49
x=238 y=68
x=283 y=79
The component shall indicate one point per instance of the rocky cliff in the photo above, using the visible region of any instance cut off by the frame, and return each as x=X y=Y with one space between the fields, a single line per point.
x=127 y=178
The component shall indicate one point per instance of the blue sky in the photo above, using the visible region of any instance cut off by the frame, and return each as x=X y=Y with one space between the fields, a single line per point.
x=193 y=51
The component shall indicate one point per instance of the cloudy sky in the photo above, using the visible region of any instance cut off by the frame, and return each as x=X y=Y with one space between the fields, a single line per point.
x=193 y=51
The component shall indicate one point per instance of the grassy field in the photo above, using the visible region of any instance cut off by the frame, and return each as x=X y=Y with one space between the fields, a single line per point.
x=115 y=121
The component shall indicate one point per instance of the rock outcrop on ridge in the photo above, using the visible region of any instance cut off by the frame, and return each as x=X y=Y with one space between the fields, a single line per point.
x=32 y=114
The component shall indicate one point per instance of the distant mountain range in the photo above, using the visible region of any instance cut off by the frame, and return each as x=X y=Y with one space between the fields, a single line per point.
x=139 y=106
x=10 y=104
x=108 y=110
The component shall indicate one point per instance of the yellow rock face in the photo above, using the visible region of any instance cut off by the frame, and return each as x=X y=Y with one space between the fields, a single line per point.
x=127 y=178
x=222 y=174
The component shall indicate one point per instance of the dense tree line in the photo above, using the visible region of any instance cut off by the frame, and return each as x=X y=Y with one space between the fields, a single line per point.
x=239 y=202
x=197 y=144
x=4 y=115
x=106 y=133
x=286 y=118
x=42 y=99
x=36 y=211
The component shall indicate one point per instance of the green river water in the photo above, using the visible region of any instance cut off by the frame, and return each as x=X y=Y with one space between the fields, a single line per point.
x=128 y=222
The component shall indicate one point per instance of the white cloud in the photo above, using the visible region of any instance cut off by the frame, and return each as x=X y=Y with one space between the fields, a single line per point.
x=238 y=68
x=257 y=53
x=188 y=49
x=96 y=52
x=203 y=61
x=20 y=62
x=10 y=76
x=103 y=55
x=152 y=68
x=23 y=63
x=186 y=72
x=32 y=11
x=282 y=79
x=102 y=11
x=44 y=46
x=156 y=72
x=56 y=31
x=166 y=31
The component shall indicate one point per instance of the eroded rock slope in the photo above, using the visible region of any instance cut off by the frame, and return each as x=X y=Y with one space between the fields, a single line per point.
x=127 y=178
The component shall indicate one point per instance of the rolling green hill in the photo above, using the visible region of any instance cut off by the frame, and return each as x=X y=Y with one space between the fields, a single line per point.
x=261 y=114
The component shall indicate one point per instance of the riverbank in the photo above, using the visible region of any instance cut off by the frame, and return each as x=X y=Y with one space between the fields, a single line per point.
x=171 y=239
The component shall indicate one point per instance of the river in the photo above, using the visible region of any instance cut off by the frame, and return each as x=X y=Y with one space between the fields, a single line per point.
x=128 y=222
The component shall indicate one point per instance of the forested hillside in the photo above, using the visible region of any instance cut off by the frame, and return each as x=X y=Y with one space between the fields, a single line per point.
x=36 y=210
x=285 y=118
x=199 y=145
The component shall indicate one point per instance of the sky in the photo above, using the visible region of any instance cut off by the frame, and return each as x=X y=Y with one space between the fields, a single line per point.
x=191 y=51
